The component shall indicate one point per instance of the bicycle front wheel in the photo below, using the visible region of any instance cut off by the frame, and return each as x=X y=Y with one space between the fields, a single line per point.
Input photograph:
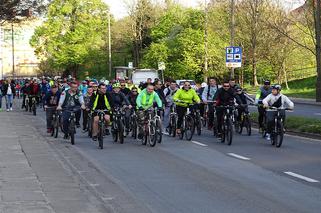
x=189 y=127
x=120 y=126
x=72 y=132
x=248 y=125
x=152 y=139
x=280 y=134
x=101 y=135
x=159 y=131
x=229 y=132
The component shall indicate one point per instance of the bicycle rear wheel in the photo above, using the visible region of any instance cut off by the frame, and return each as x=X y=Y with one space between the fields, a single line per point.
x=189 y=127
x=53 y=124
x=34 y=109
x=198 y=125
x=56 y=127
x=248 y=125
x=172 y=126
x=134 y=129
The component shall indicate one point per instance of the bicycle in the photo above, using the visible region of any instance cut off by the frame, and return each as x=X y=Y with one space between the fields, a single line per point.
x=90 y=124
x=133 y=124
x=263 y=127
x=214 y=116
x=188 y=124
x=245 y=122
x=72 y=124
x=198 y=121
x=277 y=133
x=227 y=126
x=33 y=107
x=56 y=122
x=159 y=128
x=118 y=125
x=172 y=121
x=101 y=127
x=150 y=128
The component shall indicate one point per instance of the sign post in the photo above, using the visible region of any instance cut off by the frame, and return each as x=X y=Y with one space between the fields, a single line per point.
x=234 y=57
x=162 y=67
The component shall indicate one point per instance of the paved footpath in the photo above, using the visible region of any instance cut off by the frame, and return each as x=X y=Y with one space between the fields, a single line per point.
x=33 y=177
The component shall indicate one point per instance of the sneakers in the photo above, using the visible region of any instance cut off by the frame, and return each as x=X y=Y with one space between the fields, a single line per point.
x=7 y=110
x=10 y=108
x=66 y=136
x=268 y=136
x=94 y=138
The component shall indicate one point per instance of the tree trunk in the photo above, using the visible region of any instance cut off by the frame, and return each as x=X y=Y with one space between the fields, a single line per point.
x=285 y=73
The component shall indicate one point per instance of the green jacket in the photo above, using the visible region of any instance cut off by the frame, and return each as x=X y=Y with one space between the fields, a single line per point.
x=190 y=96
x=146 y=100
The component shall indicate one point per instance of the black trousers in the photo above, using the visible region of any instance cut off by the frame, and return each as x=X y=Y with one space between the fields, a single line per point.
x=84 y=118
x=261 y=111
x=181 y=111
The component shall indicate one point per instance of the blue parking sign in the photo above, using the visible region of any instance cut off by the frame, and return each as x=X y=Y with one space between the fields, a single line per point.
x=234 y=57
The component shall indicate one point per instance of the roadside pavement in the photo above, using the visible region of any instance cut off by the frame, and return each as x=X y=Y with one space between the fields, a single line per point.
x=33 y=178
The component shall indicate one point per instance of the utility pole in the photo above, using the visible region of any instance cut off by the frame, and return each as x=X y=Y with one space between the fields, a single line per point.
x=206 y=42
x=317 y=12
x=109 y=46
x=12 y=45
x=232 y=31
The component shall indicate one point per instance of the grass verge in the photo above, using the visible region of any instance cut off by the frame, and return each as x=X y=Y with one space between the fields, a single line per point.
x=298 y=124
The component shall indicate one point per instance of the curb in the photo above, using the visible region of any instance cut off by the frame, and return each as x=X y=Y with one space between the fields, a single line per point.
x=306 y=101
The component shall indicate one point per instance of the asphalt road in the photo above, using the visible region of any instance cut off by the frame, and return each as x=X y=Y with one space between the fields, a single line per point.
x=202 y=175
x=304 y=110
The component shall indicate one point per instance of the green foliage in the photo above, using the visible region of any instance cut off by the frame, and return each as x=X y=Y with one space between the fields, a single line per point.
x=73 y=31
x=303 y=88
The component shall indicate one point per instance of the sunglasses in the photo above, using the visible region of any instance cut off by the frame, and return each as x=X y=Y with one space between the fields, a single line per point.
x=226 y=86
x=134 y=91
x=122 y=85
x=187 y=85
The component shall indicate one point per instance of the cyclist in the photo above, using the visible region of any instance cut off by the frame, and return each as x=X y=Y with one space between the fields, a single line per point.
x=87 y=98
x=144 y=101
x=132 y=96
x=160 y=92
x=169 y=93
x=124 y=89
x=209 y=94
x=183 y=97
x=278 y=100
x=33 y=90
x=242 y=102
x=262 y=93
x=45 y=88
x=119 y=100
x=101 y=101
x=50 y=104
x=83 y=87
x=69 y=100
x=24 y=93
x=225 y=97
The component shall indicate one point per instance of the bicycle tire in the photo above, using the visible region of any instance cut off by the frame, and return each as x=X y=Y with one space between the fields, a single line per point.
x=56 y=128
x=223 y=133
x=172 y=126
x=198 y=125
x=134 y=129
x=215 y=125
x=53 y=125
x=101 y=136
x=34 y=109
x=248 y=126
x=159 y=131
x=189 y=127
x=229 y=132
x=145 y=138
x=120 y=132
x=280 y=133
x=89 y=127
x=114 y=132
x=72 y=132
x=152 y=134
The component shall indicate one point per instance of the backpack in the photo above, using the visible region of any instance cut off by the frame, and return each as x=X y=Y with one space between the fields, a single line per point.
x=209 y=90
x=278 y=103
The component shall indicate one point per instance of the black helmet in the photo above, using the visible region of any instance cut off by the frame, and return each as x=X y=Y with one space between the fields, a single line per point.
x=267 y=82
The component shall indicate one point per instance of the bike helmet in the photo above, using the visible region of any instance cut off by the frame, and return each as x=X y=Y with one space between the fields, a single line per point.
x=238 y=89
x=116 y=85
x=267 y=82
x=277 y=87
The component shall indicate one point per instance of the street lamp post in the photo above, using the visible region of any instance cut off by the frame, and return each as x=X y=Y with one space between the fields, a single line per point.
x=232 y=31
x=13 y=53
x=206 y=42
x=109 y=45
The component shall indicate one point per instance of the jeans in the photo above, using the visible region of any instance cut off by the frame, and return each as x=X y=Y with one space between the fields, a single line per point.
x=65 y=119
x=49 y=117
x=9 y=99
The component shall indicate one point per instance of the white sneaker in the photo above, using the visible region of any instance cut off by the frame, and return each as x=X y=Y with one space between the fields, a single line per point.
x=7 y=110
x=10 y=108
x=268 y=137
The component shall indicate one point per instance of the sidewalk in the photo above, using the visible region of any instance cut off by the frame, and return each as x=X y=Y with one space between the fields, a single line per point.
x=32 y=177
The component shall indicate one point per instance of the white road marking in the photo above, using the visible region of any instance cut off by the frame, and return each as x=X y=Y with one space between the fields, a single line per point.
x=200 y=144
x=238 y=156
x=310 y=180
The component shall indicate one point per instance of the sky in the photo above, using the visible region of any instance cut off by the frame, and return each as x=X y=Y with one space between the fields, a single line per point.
x=118 y=7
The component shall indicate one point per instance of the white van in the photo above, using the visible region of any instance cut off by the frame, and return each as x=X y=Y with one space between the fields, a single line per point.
x=141 y=75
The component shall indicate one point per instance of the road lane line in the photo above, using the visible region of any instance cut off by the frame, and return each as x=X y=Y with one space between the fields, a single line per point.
x=200 y=144
x=310 y=180
x=238 y=156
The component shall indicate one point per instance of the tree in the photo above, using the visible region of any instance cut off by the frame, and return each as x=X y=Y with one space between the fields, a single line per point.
x=73 y=30
x=9 y=9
